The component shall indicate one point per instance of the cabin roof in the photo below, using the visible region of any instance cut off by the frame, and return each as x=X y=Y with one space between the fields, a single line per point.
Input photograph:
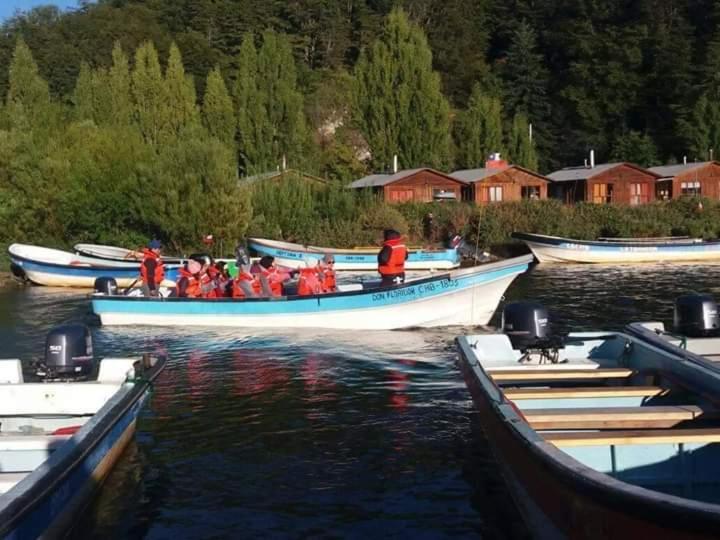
x=376 y=180
x=570 y=174
x=670 y=171
x=470 y=176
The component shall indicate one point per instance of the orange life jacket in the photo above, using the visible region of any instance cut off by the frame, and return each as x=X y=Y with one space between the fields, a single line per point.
x=159 y=267
x=237 y=291
x=396 y=262
x=274 y=278
x=327 y=279
x=207 y=284
x=193 y=288
x=309 y=282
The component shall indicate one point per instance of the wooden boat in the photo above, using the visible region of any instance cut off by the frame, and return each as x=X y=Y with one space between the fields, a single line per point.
x=464 y=296
x=568 y=250
x=615 y=436
x=57 y=268
x=298 y=256
x=59 y=440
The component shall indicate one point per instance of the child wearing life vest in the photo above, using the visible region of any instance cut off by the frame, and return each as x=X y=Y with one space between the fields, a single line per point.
x=268 y=277
x=326 y=273
x=188 y=286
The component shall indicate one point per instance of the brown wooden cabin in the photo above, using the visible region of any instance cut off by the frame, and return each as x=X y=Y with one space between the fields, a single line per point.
x=622 y=183
x=416 y=185
x=508 y=183
x=687 y=179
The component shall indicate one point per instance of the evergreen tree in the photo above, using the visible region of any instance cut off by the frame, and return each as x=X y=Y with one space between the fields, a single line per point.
x=398 y=103
x=83 y=96
x=119 y=88
x=28 y=98
x=181 y=107
x=218 y=113
x=480 y=132
x=520 y=148
x=704 y=127
x=150 y=99
x=525 y=76
x=635 y=147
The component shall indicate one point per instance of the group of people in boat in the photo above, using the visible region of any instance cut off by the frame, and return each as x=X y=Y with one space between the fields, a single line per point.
x=202 y=277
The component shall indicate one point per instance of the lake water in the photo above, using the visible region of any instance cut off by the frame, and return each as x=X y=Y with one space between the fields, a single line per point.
x=322 y=434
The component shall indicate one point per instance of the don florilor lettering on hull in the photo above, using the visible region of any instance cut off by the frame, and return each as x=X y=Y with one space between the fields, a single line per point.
x=417 y=291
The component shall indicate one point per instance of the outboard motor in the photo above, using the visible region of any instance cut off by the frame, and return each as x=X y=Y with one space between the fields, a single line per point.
x=527 y=326
x=68 y=353
x=106 y=285
x=696 y=315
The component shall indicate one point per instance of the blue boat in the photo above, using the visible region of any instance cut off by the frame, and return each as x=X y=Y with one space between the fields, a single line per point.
x=61 y=435
x=297 y=256
x=602 y=434
x=620 y=250
x=460 y=297
x=57 y=268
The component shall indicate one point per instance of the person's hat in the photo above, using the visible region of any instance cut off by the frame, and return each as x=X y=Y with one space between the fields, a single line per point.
x=155 y=244
x=194 y=267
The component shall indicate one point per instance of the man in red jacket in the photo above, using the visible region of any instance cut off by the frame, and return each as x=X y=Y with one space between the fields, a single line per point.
x=391 y=259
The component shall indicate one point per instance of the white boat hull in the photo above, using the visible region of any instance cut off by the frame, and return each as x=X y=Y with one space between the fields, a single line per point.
x=580 y=254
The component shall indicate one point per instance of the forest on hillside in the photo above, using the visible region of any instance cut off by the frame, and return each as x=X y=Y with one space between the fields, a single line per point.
x=633 y=79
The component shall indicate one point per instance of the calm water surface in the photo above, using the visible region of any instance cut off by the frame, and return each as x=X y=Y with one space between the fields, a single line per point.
x=320 y=434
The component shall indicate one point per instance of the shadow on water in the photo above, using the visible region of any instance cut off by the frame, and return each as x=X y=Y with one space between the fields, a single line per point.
x=319 y=433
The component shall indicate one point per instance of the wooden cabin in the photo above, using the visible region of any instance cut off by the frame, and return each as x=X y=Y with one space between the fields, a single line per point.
x=687 y=179
x=623 y=183
x=416 y=185
x=498 y=182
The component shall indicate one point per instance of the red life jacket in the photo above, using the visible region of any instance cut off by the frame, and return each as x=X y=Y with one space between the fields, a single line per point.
x=309 y=282
x=159 y=267
x=193 y=285
x=396 y=262
x=327 y=278
x=237 y=291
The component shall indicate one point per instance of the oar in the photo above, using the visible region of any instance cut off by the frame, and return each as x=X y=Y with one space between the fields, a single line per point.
x=127 y=289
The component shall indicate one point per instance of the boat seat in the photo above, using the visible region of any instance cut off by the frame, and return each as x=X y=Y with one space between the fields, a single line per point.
x=31 y=442
x=613 y=417
x=9 y=479
x=583 y=392
x=650 y=436
x=503 y=375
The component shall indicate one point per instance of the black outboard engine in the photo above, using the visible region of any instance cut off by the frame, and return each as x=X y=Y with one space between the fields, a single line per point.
x=696 y=315
x=68 y=353
x=527 y=326
x=106 y=285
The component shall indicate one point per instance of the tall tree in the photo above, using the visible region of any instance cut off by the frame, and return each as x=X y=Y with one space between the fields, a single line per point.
x=525 y=76
x=704 y=127
x=150 y=98
x=218 y=113
x=119 y=88
x=521 y=148
x=28 y=98
x=480 y=130
x=182 y=108
x=398 y=103
x=636 y=148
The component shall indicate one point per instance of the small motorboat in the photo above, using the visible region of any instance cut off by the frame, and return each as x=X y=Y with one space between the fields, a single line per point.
x=118 y=254
x=459 y=297
x=624 y=250
x=298 y=256
x=63 y=426
x=57 y=268
x=600 y=434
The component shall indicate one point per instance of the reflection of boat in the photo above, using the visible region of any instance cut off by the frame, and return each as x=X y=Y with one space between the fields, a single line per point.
x=465 y=296
x=296 y=256
x=604 y=434
x=626 y=250
x=61 y=436
x=53 y=267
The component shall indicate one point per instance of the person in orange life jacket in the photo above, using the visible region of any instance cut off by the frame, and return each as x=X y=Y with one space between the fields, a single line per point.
x=152 y=270
x=269 y=278
x=188 y=286
x=222 y=280
x=326 y=273
x=391 y=259
x=309 y=282
x=242 y=285
x=206 y=275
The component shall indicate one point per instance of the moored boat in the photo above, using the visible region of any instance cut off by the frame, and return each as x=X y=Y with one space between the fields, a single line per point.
x=57 y=268
x=460 y=297
x=600 y=434
x=62 y=432
x=626 y=250
x=297 y=256
x=115 y=253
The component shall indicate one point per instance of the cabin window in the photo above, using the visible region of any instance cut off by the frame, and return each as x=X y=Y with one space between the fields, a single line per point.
x=639 y=193
x=400 y=195
x=690 y=188
x=530 y=192
x=602 y=193
x=492 y=194
x=444 y=194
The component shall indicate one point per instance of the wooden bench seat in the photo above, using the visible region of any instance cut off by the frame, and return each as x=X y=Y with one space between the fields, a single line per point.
x=613 y=417
x=503 y=375
x=650 y=436
x=583 y=392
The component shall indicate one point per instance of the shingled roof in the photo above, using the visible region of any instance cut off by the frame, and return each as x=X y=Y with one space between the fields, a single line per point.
x=570 y=174
x=670 y=171
x=377 y=180
x=470 y=176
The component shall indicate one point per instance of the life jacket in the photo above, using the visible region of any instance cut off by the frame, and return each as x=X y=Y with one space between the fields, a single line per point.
x=309 y=282
x=327 y=278
x=207 y=285
x=396 y=262
x=242 y=277
x=159 y=267
x=275 y=280
x=193 y=285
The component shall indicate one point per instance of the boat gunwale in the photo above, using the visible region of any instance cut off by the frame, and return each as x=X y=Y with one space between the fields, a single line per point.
x=548 y=240
x=131 y=265
x=137 y=260
x=524 y=260
x=12 y=514
x=646 y=504
x=300 y=248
